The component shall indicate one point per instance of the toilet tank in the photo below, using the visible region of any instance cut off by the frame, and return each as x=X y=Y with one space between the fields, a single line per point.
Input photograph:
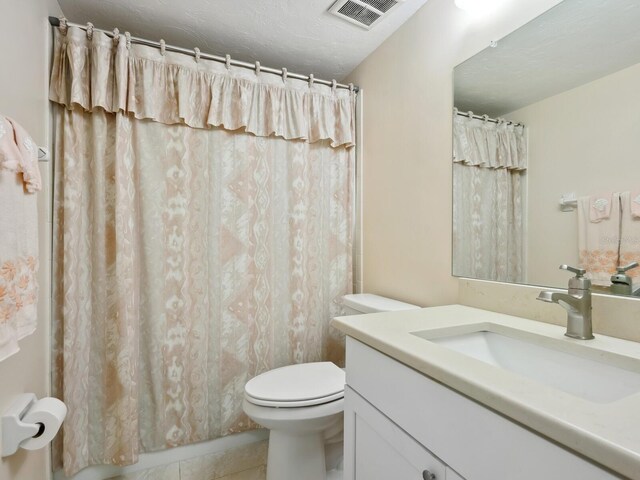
x=359 y=303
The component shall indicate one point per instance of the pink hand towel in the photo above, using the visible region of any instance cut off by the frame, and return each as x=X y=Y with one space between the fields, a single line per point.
x=19 y=154
x=634 y=203
x=599 y=207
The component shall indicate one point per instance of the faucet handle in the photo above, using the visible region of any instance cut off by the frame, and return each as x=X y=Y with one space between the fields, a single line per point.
x=628 y=267
x=578 y=271
x=579 y=282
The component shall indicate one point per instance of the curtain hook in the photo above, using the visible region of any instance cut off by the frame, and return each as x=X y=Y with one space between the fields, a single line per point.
x=485 y=118
x=311 y=80
x=227 y=61
x=197 y=54
x=284 y=74
x=163 y=47
x=89 y=30
x=116 y=35
x=470 y=114
x=455 y=111
x=63 y=25
x=258 y=67
x=351 y=87
x=127 y=36
x=334 y=85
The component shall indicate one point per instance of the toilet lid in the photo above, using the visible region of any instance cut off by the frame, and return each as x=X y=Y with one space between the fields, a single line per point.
x=300 y=385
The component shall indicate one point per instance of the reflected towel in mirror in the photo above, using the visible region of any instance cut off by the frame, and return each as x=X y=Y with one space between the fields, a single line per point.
x=598 y=242
x=634 y=202
x=600 y=207
x=629 y=235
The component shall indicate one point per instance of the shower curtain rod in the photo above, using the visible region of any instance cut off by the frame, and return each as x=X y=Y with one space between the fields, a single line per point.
x=55 y=22
x=492 y=120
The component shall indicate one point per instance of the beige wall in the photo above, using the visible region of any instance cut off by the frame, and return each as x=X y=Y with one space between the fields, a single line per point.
x=584 y=141
x=407 y=145
x=24 y=39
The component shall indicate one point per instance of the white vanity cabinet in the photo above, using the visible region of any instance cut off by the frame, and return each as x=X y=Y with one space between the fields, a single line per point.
x=380 y=450
x=402 y=425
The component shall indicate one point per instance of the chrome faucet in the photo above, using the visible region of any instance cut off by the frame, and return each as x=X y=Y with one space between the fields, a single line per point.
x=577 y=303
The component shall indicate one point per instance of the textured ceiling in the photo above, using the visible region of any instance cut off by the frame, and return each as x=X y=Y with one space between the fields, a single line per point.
x=574 y=43
x=297 y=34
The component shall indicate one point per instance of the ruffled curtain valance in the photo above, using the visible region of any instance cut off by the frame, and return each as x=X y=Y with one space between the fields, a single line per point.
x=489 y=145
x=170 y=88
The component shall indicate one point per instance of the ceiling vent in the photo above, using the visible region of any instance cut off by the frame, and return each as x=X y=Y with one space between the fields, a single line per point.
x=364 y=13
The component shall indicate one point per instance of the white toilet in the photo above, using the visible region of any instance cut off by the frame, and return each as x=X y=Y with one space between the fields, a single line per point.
x=302 y=407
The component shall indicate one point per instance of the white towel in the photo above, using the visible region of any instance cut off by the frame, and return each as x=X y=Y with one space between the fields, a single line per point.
x=630 y=239
x=598 y=242
x=19 y=178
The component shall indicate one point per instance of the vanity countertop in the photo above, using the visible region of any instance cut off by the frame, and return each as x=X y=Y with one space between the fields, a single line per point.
x=607 y=433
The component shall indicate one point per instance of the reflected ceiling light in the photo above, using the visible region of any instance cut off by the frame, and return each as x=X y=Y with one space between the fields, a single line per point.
x=472 y=5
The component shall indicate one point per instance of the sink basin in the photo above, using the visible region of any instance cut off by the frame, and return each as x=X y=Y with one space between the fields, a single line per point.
x=543 y=360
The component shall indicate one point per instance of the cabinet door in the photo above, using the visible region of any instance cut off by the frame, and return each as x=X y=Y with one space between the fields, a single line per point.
x=377 y=449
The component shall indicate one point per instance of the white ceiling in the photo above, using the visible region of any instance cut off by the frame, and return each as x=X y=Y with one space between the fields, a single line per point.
x=297 y=34
x=574 y=43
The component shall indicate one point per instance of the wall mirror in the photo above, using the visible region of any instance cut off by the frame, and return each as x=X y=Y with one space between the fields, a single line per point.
x=546 y=150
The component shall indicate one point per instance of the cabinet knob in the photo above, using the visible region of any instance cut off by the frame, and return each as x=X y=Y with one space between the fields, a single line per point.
x=427 y=475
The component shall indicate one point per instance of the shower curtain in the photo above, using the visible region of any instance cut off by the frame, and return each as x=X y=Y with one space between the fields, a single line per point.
x=203 y=235
x=489 y=166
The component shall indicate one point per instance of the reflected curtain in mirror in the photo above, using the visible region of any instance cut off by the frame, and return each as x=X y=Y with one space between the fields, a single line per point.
x=571 y=76
x=489 y=167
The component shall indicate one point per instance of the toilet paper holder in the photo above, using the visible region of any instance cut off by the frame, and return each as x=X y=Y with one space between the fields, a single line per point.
x=14 y=430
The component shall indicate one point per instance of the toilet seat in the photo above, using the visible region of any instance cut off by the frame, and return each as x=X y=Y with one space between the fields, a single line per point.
x=302 y=385
x=291 y=404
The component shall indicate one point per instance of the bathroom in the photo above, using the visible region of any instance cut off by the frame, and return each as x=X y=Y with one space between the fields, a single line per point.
x=402 y=249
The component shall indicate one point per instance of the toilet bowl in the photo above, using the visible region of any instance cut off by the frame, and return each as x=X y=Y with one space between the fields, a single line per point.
x=302 y=406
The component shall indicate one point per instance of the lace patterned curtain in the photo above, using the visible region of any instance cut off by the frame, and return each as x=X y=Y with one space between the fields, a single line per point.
x=489 y=167
x=202 y=236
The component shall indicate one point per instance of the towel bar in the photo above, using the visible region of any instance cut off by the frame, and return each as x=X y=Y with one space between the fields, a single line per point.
x=568 y=202
x=43 y=154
